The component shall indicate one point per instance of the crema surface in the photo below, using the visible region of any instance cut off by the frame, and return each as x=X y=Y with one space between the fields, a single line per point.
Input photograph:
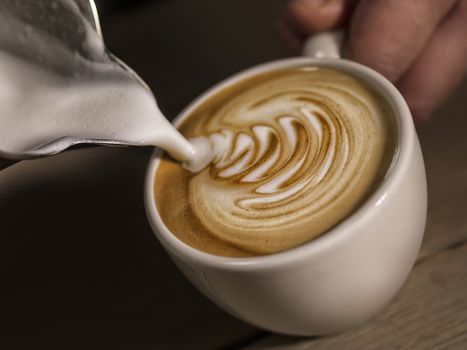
x=293 y=153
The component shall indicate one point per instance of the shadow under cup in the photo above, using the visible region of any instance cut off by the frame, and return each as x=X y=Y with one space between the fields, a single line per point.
x=340 y=279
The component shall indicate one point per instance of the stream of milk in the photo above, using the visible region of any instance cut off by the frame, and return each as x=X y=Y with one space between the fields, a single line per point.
x=57 y=79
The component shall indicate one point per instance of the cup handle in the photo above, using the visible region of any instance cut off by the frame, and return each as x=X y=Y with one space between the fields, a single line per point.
x=324 y=45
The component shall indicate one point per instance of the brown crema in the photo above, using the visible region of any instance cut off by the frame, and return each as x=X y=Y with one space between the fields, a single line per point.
x=294 y=152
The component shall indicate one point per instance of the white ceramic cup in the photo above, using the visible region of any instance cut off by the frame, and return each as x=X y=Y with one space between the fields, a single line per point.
x=345 y=276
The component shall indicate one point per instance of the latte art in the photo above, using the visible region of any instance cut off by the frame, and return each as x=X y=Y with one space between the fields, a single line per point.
x=273 y=157
x=290 y=156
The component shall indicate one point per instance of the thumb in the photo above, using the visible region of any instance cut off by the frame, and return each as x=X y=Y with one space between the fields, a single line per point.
x=310 y=16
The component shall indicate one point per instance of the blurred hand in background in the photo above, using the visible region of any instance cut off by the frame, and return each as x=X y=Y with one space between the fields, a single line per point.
x=419 y=45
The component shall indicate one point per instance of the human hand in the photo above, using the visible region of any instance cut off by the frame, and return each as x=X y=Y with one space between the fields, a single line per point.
x=419 y=45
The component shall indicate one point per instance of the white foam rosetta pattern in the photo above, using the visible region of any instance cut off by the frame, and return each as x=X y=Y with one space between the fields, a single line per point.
x=289 y=159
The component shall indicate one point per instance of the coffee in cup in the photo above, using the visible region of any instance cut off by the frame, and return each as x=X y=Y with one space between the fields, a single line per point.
x=294 y=152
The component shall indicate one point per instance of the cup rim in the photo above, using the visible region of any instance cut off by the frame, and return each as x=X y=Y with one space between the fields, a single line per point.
x=335 y=235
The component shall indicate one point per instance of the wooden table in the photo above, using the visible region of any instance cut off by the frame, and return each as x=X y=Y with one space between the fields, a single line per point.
x=81 y=269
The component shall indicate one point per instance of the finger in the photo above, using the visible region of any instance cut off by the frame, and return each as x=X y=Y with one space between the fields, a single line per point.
x=292 y=40
x=440 y=67
x=310 y=16
x=388 y=35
